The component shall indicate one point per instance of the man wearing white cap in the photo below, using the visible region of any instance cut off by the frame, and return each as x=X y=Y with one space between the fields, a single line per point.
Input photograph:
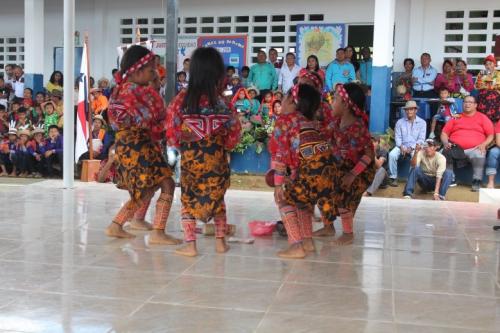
x=410 y=131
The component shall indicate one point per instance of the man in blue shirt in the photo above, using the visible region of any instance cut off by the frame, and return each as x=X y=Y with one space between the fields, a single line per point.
x=423 y=78
x=365 y=67
x=263 y=75
x=339 y=71
x=409 y=132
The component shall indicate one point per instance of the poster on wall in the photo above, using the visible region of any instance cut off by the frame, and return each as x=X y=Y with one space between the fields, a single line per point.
x=233 y=48
x=185 y=47
x=321 y=40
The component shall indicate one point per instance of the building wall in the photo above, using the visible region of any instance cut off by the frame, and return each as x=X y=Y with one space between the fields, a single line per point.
x=419 y=23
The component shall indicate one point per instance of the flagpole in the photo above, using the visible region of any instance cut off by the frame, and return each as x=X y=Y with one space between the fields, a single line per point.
x=69 y=68
x=91 y=144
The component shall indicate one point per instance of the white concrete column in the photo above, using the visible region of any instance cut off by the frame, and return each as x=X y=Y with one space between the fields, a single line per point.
x=383 y=48
x=416 y=29
x=34 y=34
x=69 y=79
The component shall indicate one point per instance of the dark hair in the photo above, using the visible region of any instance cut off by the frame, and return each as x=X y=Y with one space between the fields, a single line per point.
x=447 y=62
x=53 y=78
x=206 y=74
x=186 y=60
x=47 y=104
x=443 y=89
x=22 y=109
x=157 y=56
x=425 y=54
x=53 y=126
x=132 y=56
x=245 y=68
x=272 y=49
x=462 y=61
x=340 y=49
x=356 y=94
x=114 y=71
x=290 y=53
x=41 y=93
x=264 y=52
x=309 y=101
x=317 y=61
x=30 y=90
x=230 y=68
x=2 y=107
x=14 y=102
x=181 y=73
x=471 y=96
x=354 y=53
x=410 y=60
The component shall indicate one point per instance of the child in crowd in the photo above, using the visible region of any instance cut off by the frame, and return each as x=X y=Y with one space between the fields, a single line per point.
x=447 y=110
x=353 y=153
x=241 y=102
x=28 y=94
x=4 y=92
x=278 y=96
x=14 y=107
x=276 y=109
x=304 y=169
x=53 y=151
x=40 y=98
x=50 y=115
x=8 y=151
x=235 y=84
x=267 y=105
x=36 y=116
x=253 y=92
x=23 y=121
x=56 y=97
x=22 y=157
x=181 y=82
x=36 y=150
x=99 y=102
x=4 y=121
x=245 y=72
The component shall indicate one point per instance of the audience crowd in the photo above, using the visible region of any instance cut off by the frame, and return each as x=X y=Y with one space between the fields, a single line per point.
x=465 y=116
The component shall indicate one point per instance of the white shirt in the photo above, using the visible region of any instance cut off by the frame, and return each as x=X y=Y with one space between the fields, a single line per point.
x=18 y=86
x=287 y=76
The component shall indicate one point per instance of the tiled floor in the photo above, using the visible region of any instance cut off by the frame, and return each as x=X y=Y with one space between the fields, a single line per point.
x=415 y=266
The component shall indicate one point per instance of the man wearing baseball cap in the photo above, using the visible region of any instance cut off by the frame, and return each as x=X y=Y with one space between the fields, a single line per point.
x=428 y=169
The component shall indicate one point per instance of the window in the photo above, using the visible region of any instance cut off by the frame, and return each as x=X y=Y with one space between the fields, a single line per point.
x=190 y=20
x=455 y=14
x=496 y=26
x=159 y=20
x=127 y=22
x=477 y=38
x=278 y=28
x=259 y=39
x=224 y=30
x=292 y=39
x=242 y=29
x=144 y=31
x=207 y=20
x=142 y=21
x=126 y=40
x=478 y=26
x=496 y=13
x=11 y=51
x=158 y=31
x=478 y=14
x=299 y=17
x=454 y=26
x=278 y=39
x=453 y=49
x=190 y=30
x=207 y=30
x=475 y=61
x=224 y=19
x=477 y=49
x=242 y=19
x=454 y=38
x=127 y=31
x=260 y=29
x=260 y=18
x=316 y=17
x=293 y=28
x=278 y=18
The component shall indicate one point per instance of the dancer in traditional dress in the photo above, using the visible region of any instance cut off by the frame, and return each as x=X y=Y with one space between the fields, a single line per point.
x=303 y=168
x=137 y=113
x=205 y=129
x=353 y=153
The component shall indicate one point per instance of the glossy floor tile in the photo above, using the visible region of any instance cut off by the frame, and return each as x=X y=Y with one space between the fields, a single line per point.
x=432 y=268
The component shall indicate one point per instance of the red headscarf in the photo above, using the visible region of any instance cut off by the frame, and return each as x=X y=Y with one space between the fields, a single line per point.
x=339 y=89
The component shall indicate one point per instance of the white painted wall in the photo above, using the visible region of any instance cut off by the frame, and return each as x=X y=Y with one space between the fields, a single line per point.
x=419 y=24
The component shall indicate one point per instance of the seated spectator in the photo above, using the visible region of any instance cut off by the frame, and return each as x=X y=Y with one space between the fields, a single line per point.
x=339 y=71
x=447 y=78
x=99 y=102
x=162 y=71
x=493 y=160
x=447 y=110
x=4 y=92
x=55 y=82
x=466 y=139
x=23 y=121
x=181 y=82
x=53 y=152
x=235 y=84
x=423 y=78
x=4 y=121
x=36 y=151
x=463 y=80
x=381 y=177
x=50 y=115
x=254 y=102
x=409 y=132
x=14 y=107
x=488 y=84
x=101 y=140
x=40 y=98
x=267 y=104
x=8 y=151
x=103 y=84
x=365 y=67
x=56 y=97
x=289 y=71
x=241 y=102
x=245 y=72
x=313 y=66
x=22 y=158
x=428 y=169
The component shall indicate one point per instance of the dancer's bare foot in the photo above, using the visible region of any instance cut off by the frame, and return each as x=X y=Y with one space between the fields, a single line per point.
x=116 y=230
x=13 y=174
x=344 y=239
x=326 y=231
x=490 y=185
x=140 y=225
x=4 y=174
x=188 y=250
x=294 y=251
x=221 y=246
x=161 y=238
x=308 y=245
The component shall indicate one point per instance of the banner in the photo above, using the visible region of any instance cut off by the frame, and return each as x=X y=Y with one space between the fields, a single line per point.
x=232 y=48
x=321 y=40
